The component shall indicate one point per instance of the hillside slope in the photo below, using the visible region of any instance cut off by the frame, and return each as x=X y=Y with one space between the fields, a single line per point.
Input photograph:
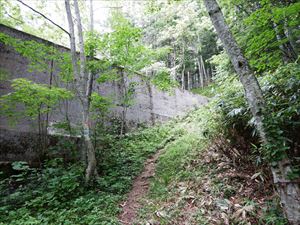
x=196 y=183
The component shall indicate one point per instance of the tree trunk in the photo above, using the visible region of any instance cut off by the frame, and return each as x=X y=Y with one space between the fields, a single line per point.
x=208 y=75
x=252 y=89
x=194 y=80
x=83 y=84
x=200 y=73
x=174 y=63
x=188 y=81
x=72 y=38
x=203 y=71
x=86 y=84
x=183 y=69
x=211 y=72
x=74 y=59
x=289 y=191
x=182 y=78
x=151 y=105
x=91 y=16
x=197 y=78
x=124 y=102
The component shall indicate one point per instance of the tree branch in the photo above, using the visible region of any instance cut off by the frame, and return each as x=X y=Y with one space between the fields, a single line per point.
x=44 y=17
x=13 y=17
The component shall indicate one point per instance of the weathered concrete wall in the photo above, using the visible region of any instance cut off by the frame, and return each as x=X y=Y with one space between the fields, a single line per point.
x=150 y=104
x=17 y=66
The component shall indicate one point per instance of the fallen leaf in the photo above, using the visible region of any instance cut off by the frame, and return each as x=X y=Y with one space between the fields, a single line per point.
x=255 y=175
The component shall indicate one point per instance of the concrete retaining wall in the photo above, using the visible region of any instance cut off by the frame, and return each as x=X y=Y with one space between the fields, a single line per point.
x=150 y=104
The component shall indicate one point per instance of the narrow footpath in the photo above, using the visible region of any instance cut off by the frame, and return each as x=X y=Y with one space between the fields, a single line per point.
x=139 y=189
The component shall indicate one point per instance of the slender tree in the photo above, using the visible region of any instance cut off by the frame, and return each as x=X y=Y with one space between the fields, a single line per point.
x=200 y=73
x=289 y=191
x=84 y=85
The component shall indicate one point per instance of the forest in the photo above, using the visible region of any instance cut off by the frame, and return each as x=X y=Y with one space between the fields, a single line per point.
x=149 y=112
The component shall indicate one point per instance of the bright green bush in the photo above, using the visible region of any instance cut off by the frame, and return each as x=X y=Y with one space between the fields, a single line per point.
x=37 y=99
x=281 y=115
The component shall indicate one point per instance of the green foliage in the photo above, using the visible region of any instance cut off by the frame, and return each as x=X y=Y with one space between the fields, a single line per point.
x=41 y=194
x=123 y=47
x=281 y=91
x=163 y=81
x=283 y=115
x=121 y=160
x=123 y=51
x=37 y=99
x=109 y=75
x=99 y=105
x=222 y=64
x=268 y=31
x=189 y=139
x=99 y=102
x=23 y=171
x=208 y=91
x=123 y=54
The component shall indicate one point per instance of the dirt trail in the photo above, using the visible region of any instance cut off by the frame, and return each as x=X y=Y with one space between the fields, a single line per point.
x=140 y=188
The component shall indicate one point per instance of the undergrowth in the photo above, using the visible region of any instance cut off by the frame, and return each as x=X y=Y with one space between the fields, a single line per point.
x=56 y=194
x=208 y=91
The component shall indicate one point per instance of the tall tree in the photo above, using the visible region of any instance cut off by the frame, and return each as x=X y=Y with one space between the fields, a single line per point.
x=84 y=86
x=289 y=190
